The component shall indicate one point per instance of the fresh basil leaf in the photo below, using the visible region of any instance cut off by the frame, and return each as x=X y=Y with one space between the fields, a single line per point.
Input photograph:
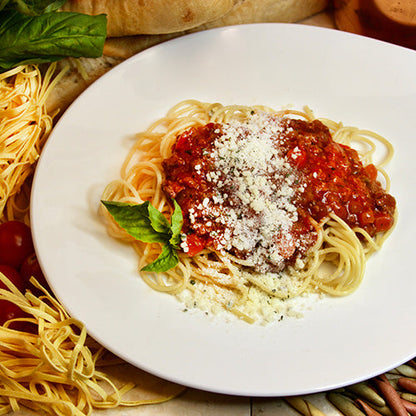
x=158 y=220
x=176 y=226
x=49 y=37
x=36 y=7
x=176 y=219
x=175 y=241
x=145 y=223
x=3 y=4
x=167 y=260
x=134 y=218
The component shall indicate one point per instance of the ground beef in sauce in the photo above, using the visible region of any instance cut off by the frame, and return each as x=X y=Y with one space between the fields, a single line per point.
x=253 y=188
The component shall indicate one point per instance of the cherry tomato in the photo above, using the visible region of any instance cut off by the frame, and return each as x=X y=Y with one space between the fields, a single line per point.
x=195 y=244
x=383 y=221
x=184 y=141
x=371 y=171
x=9 y=310
x=13 y=275
x=355 y=207
x=30 y=267
x=15 y=243
x=366 y=217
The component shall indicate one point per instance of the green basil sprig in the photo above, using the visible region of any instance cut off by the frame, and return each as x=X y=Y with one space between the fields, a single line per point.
x=145 y=223
x=34 y=32
x=32 y=7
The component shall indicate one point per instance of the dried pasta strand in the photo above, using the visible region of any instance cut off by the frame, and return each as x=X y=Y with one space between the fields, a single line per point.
x=24 y=129
x=55 y=370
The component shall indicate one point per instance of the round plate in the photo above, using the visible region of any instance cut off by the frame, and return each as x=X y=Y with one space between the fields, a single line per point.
x=345 y=77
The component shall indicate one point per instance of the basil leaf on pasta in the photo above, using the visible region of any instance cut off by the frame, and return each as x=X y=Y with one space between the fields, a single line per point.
x=134 y=218
x=145 y=223
x=158 y=221
x=176 y=221
x=167 y=260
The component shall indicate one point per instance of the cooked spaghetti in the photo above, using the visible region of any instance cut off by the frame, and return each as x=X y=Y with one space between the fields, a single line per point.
x=275 y=204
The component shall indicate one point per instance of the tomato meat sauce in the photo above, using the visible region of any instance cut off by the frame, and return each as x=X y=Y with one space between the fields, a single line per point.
x=329 y=178
x=337 y=180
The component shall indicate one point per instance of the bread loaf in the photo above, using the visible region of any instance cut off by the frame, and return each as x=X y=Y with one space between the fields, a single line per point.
x=243 y=11
x=155 y=17
x=132 y=17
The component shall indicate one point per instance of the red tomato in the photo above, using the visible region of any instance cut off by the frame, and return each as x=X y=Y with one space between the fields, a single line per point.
x=366 y=217
x=355 y=207
x=30 y=267
x=184 y=141
x=9 y=310
x=383 y=221
x=371 y=171
x=15 y=243
x=13 y=275
x=195 y=244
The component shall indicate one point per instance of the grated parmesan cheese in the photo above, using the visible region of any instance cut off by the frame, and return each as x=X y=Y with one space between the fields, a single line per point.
x=259 y=186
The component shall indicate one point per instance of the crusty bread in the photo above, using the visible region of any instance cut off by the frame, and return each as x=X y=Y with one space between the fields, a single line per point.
x=245 y=11
x=268 y=11
x=155 y=17
x=132 y=17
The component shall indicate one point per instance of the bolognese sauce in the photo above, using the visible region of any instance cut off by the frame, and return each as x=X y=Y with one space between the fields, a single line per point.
x=257 y=189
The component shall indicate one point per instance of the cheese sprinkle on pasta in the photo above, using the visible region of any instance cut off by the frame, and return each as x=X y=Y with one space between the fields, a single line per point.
x=260 y=183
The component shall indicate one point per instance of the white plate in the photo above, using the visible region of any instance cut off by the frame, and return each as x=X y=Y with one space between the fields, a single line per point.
x=362 y=82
